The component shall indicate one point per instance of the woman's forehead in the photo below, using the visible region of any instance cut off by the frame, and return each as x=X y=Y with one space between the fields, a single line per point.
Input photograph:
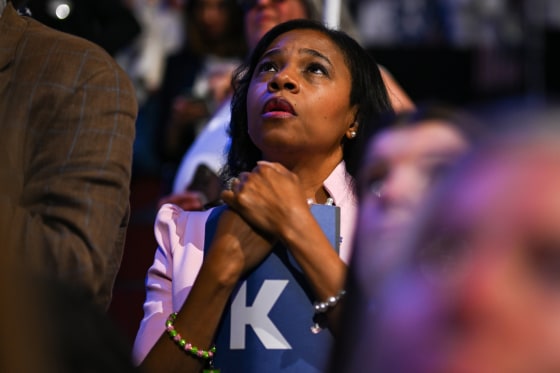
x=302 y=36
x=300 y=40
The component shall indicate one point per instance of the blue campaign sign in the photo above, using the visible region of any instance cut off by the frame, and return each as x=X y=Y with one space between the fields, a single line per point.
x=267 y=324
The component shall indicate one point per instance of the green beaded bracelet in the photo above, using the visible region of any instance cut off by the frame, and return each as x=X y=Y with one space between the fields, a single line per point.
x=188 y=347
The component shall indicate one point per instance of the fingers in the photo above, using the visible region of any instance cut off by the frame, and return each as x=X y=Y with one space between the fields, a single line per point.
x=271 y=165
x=231 y=182
x=229 y=195
x=261 y=178
x=235 y=184
x=240 y=188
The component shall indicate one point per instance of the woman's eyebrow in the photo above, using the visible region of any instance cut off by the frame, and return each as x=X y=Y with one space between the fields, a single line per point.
x=315 y=53
x=309 y=51
x=271 y=52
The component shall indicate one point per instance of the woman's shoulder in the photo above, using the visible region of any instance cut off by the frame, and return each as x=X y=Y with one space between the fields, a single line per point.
x=175 y=227
x=171 y=215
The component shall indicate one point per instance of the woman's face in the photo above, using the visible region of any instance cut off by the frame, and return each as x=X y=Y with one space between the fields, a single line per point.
x=482 y=293
x=298 y=101
x=262 y=15
x=401 y=164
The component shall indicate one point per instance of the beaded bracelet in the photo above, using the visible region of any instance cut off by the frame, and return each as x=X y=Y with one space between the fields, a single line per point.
x=193 y=350
x=321 y=308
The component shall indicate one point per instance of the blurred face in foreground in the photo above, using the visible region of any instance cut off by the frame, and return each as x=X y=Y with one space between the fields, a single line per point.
x=401 y=165
x=481 y=290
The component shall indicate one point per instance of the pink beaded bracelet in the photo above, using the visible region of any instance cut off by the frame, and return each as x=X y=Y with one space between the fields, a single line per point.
x=188 y=347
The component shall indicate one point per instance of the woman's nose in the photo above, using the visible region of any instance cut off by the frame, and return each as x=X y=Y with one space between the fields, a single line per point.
x=283 y=80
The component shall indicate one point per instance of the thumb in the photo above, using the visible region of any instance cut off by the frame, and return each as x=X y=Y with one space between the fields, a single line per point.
x=227 y=196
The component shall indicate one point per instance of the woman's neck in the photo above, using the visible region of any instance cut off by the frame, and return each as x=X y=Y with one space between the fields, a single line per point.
x=312 y=178
x=312 y=170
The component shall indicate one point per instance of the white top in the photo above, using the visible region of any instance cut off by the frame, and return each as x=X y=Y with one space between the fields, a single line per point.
x=209 y=148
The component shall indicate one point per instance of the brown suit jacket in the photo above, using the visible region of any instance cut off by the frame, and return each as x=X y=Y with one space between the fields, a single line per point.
x=67 y=122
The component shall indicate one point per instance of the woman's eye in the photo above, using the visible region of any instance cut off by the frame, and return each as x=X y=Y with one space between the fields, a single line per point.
x=317 y=68
x=266 y=66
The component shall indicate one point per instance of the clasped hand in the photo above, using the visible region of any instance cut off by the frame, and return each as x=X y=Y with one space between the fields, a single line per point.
x=270 y=198
x=263 y=205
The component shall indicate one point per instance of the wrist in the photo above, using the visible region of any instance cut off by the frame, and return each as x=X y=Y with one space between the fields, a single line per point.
x=225 y=262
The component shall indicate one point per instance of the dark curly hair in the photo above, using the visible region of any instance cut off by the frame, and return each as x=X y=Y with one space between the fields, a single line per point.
x=367 y=92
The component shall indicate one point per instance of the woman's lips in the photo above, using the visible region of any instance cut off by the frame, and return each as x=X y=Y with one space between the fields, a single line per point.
x=278 y=107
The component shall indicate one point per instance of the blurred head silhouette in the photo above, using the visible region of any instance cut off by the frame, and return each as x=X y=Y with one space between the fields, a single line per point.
x=262 y=15
x=478 y=286
x=401 y=164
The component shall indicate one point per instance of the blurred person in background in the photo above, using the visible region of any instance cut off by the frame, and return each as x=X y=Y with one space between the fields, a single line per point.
x=197 y=78
x=192 y=84
x=162 y=34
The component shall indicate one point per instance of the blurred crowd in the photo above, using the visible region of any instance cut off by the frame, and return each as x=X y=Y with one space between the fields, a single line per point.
x=180 y=54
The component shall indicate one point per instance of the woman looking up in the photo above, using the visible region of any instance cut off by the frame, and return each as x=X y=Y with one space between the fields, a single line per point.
x=245 y=276
x=209 y=148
